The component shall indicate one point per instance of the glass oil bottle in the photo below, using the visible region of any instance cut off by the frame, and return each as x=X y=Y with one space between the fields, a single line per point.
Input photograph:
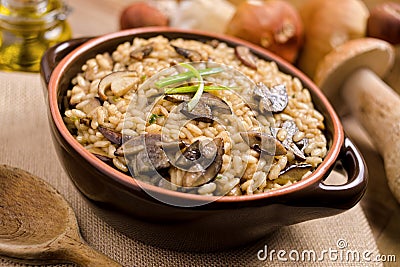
x=27 y=29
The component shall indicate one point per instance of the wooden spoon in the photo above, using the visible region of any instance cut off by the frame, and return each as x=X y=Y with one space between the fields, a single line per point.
x=37 y=225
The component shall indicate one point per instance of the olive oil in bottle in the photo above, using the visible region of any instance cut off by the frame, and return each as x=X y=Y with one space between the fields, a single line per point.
x=27 y=29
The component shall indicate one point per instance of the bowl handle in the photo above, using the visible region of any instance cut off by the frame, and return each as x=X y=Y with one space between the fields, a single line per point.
x=343 y=196
x=55 y=54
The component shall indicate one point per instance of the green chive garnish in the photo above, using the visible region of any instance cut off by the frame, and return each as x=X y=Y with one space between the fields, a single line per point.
x=196 y=98
x=193 y=89
x=185 y=76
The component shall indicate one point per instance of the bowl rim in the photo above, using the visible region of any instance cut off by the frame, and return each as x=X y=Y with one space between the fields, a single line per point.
x=131 y=183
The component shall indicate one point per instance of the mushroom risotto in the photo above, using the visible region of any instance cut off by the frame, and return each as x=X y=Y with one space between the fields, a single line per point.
x=197 y=117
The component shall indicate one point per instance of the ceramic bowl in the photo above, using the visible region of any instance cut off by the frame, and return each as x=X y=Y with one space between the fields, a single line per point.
x=223 y=223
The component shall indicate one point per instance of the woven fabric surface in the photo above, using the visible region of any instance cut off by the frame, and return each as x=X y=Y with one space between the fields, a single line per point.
x=26 y=143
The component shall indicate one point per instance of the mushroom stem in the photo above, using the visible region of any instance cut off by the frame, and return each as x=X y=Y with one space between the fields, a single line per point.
x=377 y=107
x=393 y=77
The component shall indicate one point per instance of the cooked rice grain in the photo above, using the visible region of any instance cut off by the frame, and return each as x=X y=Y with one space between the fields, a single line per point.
x=243 y=171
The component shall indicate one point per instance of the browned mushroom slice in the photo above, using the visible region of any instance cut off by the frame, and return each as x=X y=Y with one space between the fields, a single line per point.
x=145 y=154
x=263 y=142
x=192 y=153
x=274 y=99
x=155 y=151
x=187 y=159
x=119 y=82
x=100 y=154
x=197 y=156
x=190 y=54
x=113 y=136
x=244 y=54
x=104 y=159
x=141 y=52
x=206 y=109
x=172 y=148
x=130 y=147
x=291 y=130
x=178 y=98
x=215 y=103
x=201 y=172
x=90 y=105
x=302 y=144
x=201 y=112
x=294 y=172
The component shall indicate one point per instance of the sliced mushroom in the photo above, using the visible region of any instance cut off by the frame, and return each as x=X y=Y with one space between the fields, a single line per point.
x=192 y=153
x=203 y=174
x=303 y=143
x=291 y=129
x=198 y=156
x=201 y=112
x=104 y=159
x=274 y=99
x=171 y=148
x=145 y=154
x=90 y=105
x=217 y=104
x=264 y=142
x=141 y=52
x=244 y=54
x=178 y=98
x=190 y=54
x=113 y=136
x=294 y=172
x=100 y=154
x=206 y=109
x=119 y=82
x=130 y=147
x=155 y=151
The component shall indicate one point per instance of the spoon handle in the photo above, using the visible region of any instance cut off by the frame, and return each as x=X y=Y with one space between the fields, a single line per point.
x=79 y=252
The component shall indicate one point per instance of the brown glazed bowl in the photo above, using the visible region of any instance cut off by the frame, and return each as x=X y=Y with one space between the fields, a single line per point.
x=224 y=222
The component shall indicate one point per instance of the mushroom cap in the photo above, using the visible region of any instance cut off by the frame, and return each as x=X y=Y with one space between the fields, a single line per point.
x=374 y=54
x=384 y=22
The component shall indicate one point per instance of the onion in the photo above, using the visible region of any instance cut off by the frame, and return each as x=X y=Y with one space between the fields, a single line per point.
x=142 y=14
x=203 y=15
x=273 y=24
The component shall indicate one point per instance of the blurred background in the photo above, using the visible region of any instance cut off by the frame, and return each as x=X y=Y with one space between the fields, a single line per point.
x=108 y=12
x=381 y=208
x=379 y=205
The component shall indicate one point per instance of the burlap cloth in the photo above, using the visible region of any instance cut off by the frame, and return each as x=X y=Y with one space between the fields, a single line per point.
x=26 y=143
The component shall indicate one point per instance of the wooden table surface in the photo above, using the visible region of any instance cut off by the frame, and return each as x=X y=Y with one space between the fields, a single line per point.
x=96 y=17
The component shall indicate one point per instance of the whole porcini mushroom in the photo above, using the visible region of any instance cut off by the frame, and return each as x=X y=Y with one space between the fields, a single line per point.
x=354 y=70
x=142 y=14
x=273 y=24
x=328 y=24
x=384 y=22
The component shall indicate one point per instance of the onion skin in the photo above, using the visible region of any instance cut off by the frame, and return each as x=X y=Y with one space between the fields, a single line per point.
x=384 y=22
x=273 y=24
x=141 y=14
